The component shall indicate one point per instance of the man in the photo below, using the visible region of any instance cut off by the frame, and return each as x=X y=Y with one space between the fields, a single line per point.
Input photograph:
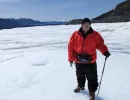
x=82 y=50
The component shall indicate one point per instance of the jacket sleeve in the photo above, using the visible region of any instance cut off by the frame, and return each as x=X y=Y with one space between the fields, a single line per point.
x=71 y=49
x=100 y=44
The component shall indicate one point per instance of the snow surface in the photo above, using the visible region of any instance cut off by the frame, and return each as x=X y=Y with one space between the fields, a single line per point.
x=34 y=65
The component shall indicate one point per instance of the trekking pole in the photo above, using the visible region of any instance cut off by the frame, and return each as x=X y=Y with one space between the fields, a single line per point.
x=102 y=76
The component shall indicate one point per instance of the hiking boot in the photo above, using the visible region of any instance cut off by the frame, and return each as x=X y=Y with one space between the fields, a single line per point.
x=92 y=95
x=78 y=89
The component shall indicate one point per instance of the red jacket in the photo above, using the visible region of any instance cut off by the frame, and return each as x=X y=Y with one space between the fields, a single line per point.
x=88 y=45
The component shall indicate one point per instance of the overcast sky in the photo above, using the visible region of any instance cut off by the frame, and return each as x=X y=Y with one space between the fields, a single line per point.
x=48 y=10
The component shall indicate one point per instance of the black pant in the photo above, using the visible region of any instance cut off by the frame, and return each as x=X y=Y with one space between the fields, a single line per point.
x=88 y=71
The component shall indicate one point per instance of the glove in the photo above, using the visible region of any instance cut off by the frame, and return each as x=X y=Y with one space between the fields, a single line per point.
x=107 y=54
x=71 y=64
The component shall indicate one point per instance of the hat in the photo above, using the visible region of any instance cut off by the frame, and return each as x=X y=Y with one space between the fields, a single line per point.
x=85 y=20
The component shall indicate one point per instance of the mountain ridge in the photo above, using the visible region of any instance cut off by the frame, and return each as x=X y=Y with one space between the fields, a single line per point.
x=121 y=13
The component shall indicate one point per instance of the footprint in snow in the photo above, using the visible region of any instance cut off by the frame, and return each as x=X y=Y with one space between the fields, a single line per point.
x=40 y=63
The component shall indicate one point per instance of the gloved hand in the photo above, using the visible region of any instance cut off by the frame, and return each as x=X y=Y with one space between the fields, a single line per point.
x=71 y=64
x=107 y=54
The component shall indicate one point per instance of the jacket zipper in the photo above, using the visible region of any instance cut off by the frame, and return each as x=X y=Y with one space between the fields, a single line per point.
x=84 y=38
x=83 y=45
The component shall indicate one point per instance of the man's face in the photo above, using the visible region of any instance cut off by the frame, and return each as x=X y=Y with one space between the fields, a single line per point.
x=86 y=26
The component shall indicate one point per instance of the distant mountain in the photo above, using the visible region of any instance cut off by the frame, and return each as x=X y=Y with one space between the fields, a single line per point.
x=7 y=23
x=28 y=21
x=54 y=22
x=74 y=21
x=31 y=22
x=25 y=22
x=121 y=13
